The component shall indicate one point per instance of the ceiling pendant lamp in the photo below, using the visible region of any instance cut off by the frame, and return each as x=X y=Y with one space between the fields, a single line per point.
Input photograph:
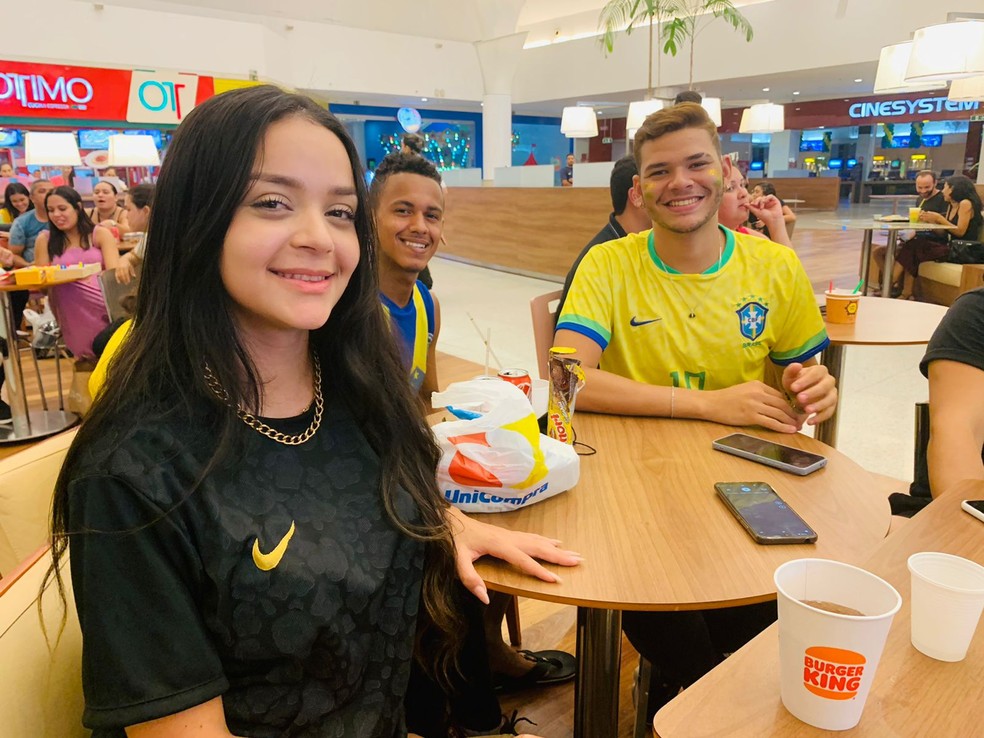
x=713 y=107
x=579 y=122
x=947 y=51
x=51 y=149
x=890 y=77
x=640 y=110
x=763 y=118
x=968 y=89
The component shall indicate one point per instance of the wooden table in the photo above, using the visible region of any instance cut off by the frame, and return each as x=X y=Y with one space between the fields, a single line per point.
x=27 y=424
x=893 y=228
x=879 y=323
x=655 y=537
x=913 y=695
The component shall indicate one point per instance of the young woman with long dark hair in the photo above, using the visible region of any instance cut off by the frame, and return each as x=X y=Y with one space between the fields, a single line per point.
x=106 y=210
x=72 y=238
x=16 y=201
x=251 y=503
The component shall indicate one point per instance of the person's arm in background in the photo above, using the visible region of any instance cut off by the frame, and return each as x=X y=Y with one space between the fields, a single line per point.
x=964 y=215
x=107 y=243
x=956 y=420
x=206 y=720
x=16 y=242
x=41 y=250
x=788 y=215
x=769 y=212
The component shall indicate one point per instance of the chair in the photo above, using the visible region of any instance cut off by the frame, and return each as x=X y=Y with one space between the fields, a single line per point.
x=41 y=686
x=544 y=312
x=113 y=292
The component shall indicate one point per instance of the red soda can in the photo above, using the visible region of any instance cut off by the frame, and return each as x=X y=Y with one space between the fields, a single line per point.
x=520 y=378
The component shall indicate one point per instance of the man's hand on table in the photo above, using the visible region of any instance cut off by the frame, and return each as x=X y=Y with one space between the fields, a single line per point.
x=473 y=539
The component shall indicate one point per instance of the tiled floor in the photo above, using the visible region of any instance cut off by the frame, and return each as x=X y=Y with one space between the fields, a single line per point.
x=880 y=387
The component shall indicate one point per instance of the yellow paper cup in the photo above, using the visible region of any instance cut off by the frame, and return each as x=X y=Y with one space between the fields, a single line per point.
x=914 y=214
x=842 y=306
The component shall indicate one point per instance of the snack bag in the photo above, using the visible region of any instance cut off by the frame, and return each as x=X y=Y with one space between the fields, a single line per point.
x=566 y=378
x=498 y=460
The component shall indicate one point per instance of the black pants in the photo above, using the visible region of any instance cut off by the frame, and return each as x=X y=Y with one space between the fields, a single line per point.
x=471 y=701
x=683 y=646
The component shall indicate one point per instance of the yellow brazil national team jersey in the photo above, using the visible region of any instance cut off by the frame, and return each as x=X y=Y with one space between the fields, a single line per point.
x=758 y=305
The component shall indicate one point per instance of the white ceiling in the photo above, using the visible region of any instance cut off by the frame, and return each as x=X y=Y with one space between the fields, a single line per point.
x=462 y=20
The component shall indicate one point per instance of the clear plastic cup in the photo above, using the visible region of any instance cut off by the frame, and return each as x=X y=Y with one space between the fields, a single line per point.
x=827 y=660
x=947 y=599
x=914 y=214
x=842 y=306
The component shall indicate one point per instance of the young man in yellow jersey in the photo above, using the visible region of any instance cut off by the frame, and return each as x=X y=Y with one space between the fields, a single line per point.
x=682 y=322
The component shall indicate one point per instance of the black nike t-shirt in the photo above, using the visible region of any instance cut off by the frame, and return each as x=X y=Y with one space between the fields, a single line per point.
x=280 y=584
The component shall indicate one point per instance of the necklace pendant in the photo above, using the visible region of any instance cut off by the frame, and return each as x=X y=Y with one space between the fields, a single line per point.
x=692 y=315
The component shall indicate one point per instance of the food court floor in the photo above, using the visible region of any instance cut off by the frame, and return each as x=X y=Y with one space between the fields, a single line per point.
x=880 y=388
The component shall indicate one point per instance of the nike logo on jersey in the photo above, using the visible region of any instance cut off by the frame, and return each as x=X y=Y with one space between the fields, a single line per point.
x=636 y=322
x=268 y=561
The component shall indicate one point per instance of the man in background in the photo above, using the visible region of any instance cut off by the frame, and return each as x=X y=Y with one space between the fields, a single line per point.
x=567 y=173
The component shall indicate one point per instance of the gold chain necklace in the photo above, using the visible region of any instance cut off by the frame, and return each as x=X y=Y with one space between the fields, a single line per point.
x=693 y=308
x=259 y=426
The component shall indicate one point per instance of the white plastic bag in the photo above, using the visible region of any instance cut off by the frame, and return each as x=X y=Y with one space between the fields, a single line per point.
x=499 y=460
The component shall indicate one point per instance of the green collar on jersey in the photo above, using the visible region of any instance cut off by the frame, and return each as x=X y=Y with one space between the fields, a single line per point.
x=729 y=248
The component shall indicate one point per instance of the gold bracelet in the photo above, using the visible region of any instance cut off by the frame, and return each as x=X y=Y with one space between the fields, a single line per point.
x=672 y=394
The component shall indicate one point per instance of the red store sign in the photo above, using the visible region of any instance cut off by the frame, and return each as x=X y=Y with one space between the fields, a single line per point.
x=49 y=91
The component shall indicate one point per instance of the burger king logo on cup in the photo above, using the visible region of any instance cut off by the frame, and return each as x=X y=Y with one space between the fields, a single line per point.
x=833 y=673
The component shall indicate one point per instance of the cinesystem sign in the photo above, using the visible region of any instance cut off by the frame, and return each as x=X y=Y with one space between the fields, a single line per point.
x=920 y=106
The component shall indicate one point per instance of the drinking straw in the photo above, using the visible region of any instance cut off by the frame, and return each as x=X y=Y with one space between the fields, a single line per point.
x=487 y=342
x=831 y=287
x=488 y=349
x=858 y=288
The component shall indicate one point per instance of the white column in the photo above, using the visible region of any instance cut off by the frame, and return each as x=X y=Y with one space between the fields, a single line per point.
x=781 y=146
x=498 y=58
x=496 y=133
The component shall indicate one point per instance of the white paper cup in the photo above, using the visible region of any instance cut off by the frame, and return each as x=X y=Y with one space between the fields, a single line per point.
x=947 y=599
x=827 y=662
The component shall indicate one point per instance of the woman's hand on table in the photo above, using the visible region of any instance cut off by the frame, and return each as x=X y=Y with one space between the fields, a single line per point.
x=750 y=403
x=473 y=539
x=925 y=216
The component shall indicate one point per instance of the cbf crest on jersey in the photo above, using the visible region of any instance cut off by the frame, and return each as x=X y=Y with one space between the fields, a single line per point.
x=751 y=319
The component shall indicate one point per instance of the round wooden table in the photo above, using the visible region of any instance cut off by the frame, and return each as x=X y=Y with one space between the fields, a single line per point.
x=880 y=322
x=869 y=226
x=655 y=536
x=912 y=695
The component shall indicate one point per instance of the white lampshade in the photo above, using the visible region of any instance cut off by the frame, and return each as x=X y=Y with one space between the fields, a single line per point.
x=967 y=89
x=132 y=151
x=579 y=122
x=713 y=107
x=640 y=110
x=890 y=77
x=947 y=51
x=763 y=118
x=51 y=149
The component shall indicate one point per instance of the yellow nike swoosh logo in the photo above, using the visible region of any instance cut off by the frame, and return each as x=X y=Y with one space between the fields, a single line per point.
x=268 y=561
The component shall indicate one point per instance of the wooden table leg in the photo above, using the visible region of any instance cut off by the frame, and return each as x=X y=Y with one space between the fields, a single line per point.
x=833 y=359
x=599 y=656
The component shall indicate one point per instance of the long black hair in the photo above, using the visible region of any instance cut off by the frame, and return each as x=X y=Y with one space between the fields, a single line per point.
x=16 y=188
x=962 y=188
x=184 y=320
x=58 y=238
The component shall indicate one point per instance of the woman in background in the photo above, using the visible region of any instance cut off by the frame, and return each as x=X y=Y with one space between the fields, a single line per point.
x=106 y=211
x=137 y=204
x=16 y=201
x=72 y=239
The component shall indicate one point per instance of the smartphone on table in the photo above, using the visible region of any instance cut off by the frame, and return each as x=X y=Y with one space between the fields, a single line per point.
x=766 y=517
x=786 y=458
x=974 y=507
